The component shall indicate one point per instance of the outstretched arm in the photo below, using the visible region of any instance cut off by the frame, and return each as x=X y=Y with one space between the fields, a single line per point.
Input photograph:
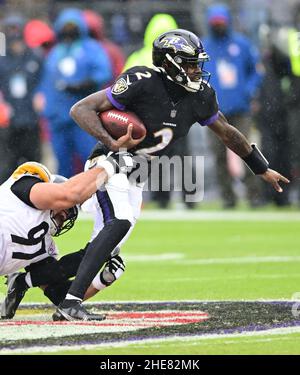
x=237 y=142
x=230 y=136
x=76 y=190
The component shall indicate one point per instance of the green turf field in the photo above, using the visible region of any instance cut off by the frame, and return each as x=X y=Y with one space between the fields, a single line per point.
x=202 y=260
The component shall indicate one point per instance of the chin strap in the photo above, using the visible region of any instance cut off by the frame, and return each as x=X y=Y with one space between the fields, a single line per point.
x=192 y=86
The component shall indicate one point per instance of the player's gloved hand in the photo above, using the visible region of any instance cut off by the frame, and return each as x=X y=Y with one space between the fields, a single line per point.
x=116 y=162
x=122 y=160
x=113 y=270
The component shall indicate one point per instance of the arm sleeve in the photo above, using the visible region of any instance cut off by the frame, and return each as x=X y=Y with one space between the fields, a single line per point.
x=22 y=188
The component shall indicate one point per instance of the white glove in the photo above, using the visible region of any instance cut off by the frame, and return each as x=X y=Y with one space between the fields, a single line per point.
x=115 y=162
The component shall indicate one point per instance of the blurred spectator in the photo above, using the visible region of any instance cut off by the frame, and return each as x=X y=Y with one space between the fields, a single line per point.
x=96 y=26
x=76 y=66
x=38 y=34
x=5 y=113
x=119 y=28
x=19 y=77
x=234 y=67
x=271 y=119
x=158 y=24
x=294 y=97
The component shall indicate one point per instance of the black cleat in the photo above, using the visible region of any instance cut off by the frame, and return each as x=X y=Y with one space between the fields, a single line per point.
x=74 y=310
x=15 y=294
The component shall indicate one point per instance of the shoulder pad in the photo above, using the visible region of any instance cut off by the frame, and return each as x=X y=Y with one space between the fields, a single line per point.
x=32 y=168
x=137 y=68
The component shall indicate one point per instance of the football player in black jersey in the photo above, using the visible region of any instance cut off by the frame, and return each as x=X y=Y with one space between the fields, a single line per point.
x=169 y=99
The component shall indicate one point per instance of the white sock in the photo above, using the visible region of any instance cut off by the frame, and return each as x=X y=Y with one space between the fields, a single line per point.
x=28 y=279
x=70 y=296
x=97 y=282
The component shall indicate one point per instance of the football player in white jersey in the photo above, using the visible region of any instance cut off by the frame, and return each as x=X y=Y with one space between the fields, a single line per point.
x=33 y=208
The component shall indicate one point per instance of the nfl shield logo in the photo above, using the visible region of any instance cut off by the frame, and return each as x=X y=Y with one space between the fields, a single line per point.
x=173 y=113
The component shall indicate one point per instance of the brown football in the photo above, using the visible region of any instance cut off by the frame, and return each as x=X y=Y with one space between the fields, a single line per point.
x=116 y=123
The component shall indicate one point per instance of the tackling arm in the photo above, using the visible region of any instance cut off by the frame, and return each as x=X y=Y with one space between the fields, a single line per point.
x=76 y=190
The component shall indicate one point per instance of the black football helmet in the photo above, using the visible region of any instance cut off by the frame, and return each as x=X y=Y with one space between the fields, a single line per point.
x=175 y=49
x=71 y=214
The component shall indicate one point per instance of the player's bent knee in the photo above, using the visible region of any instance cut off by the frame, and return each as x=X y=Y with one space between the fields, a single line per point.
x=118 y=226
x=46 y=271
x=125 y=213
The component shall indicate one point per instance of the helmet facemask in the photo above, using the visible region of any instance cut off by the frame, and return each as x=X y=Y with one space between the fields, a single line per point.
x=176 y=68
x=59 y=225
x=62 y=221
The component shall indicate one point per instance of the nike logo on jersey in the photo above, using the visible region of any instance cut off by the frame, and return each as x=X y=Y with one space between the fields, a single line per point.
x=170 y=124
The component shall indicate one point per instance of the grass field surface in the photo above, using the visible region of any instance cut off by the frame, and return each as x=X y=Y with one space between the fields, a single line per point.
x=209 y=260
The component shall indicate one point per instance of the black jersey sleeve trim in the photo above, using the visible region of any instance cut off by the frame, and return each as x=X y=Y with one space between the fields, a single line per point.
x=210 y=120
x=113 y=101
x=22 y=188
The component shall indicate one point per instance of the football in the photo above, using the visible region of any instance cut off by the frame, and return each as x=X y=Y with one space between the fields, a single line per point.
x=116 y=123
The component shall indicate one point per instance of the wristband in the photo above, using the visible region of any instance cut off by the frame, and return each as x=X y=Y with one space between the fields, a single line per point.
x=256 y=161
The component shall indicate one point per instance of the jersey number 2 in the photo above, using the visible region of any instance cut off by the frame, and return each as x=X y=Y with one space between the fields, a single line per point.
x=31 y=240
x=166 y=135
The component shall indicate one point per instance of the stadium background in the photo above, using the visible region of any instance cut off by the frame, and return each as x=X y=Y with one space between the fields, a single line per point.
x=215 y=255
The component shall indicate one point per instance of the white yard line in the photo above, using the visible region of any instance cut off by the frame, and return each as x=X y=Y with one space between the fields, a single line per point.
x=243 y=260
x=178 y=257
x=140 y=302
x=58 y=348
x=153 y=257
x=237 y=277
x=177 y=215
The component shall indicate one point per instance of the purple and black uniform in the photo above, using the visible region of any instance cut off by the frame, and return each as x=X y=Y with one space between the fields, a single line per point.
x=167 y=109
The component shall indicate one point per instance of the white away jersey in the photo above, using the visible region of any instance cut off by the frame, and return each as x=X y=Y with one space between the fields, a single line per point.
x=24 y=231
